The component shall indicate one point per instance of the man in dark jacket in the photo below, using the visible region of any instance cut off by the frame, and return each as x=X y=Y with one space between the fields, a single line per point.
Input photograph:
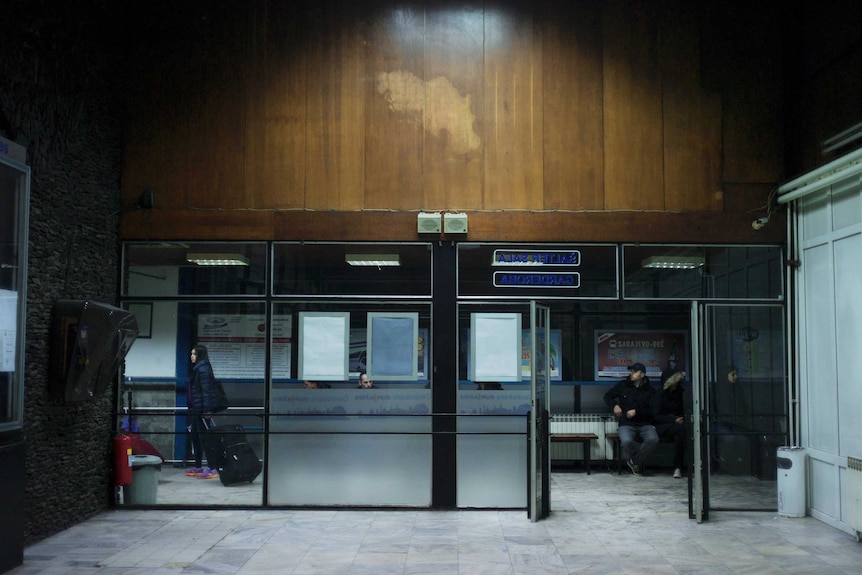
x=635 y=405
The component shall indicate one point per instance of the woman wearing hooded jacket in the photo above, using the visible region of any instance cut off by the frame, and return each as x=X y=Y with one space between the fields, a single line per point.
x=202 y=398
x=670 y=421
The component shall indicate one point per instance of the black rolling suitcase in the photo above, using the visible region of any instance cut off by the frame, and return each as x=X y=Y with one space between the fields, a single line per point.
x=235 y=458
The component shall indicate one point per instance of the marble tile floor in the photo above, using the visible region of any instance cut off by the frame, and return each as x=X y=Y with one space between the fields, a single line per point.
x=175 y=488
x=600 y=524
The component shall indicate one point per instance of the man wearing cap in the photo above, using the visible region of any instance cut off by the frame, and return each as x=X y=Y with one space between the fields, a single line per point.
x=635 y=405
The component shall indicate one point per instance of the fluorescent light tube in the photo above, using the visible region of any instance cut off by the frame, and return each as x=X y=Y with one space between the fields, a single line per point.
x=673 y=262
x=378 y=260
x=218 y=259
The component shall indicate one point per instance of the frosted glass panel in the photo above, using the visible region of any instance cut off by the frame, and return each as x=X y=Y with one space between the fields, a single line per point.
x=353 y=469
x=492 y=470
x=350 y=447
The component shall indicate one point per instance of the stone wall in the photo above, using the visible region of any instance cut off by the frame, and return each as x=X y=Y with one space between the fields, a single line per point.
x=61 y=82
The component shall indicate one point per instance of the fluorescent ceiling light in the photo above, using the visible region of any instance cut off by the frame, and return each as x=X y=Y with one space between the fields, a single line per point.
x=218 y=259
x=673 y=262
x=378 y=260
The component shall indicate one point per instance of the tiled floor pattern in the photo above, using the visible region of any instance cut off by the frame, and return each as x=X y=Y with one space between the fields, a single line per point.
x=600 y=524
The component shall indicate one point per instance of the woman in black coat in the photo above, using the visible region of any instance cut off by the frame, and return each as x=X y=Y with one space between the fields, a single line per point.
x=202 y=398
x=670 y=421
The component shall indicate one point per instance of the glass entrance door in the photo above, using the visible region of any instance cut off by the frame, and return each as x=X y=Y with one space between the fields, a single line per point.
x=740 y=411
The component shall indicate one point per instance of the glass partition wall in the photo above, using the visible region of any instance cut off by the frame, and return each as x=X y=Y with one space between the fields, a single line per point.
x=291 y=329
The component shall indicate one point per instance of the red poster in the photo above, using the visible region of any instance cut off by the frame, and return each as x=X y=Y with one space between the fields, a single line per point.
x=617 y=350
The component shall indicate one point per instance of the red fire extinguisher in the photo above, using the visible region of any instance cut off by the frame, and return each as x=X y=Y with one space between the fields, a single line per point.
x=123 y=459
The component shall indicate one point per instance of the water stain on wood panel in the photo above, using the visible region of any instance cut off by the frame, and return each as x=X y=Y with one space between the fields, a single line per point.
x=436 y=104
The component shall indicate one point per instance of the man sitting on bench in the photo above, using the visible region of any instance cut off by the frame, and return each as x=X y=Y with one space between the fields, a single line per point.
x=635 y=405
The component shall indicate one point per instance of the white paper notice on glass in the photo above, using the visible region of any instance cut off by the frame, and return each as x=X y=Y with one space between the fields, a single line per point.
x=495 y=347
x=8 y=328
x=392 y=346
x=324 y=340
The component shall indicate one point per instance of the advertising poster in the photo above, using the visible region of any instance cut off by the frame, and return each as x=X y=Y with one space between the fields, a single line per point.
x=617 y=350
x=237 y=345
x=555 y=355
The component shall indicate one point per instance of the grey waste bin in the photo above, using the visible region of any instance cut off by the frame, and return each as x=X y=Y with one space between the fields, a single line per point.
x=791 y=481
x=145 y=480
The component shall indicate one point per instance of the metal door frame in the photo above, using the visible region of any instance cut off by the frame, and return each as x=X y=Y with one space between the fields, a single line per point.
x=539 y=462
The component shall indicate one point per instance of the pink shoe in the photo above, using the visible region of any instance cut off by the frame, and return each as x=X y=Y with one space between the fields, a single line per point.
x=208 y=473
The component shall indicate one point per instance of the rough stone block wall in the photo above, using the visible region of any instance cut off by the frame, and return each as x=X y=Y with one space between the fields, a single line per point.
x=61 y=82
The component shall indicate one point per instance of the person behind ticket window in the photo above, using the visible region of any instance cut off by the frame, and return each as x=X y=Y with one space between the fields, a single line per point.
x=635 y=405
x=315 y=385
x=489 y=386
x=364 y=382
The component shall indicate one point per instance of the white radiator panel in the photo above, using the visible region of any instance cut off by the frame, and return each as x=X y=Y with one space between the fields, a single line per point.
x=581 y=423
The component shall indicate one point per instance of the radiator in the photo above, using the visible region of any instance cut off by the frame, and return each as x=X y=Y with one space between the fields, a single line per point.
x=854 y=494
x=581 y=423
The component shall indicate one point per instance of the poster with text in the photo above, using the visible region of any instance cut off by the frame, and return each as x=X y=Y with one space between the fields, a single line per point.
x=237 y=345
x=617 y=350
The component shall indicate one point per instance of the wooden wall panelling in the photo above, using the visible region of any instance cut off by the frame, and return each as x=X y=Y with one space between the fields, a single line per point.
x=748 y=199
x=276 y=110
x=396 y=105
x=336 y=107
x=750 y=52
x=828 y=104
x=155 y=150
x=692 y=117
x=153 y=157
x=632 y=108
x=346 y=226
x=217 y=86
x=573 y=172
x=511 y=226
x=194 y=224
x=512 y=107
x=622 y=226
x=453 y=147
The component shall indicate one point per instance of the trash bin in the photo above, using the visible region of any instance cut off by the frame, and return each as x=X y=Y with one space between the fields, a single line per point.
x=145 y=480
x=791 y=481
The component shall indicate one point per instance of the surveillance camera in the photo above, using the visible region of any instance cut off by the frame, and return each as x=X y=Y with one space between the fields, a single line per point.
x=759 y=223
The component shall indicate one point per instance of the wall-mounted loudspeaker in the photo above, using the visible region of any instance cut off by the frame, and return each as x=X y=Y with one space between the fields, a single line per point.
x=428 y=223
x=455 y=223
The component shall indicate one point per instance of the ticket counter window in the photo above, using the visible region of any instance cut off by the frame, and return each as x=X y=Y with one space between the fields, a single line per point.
x=335 y=442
